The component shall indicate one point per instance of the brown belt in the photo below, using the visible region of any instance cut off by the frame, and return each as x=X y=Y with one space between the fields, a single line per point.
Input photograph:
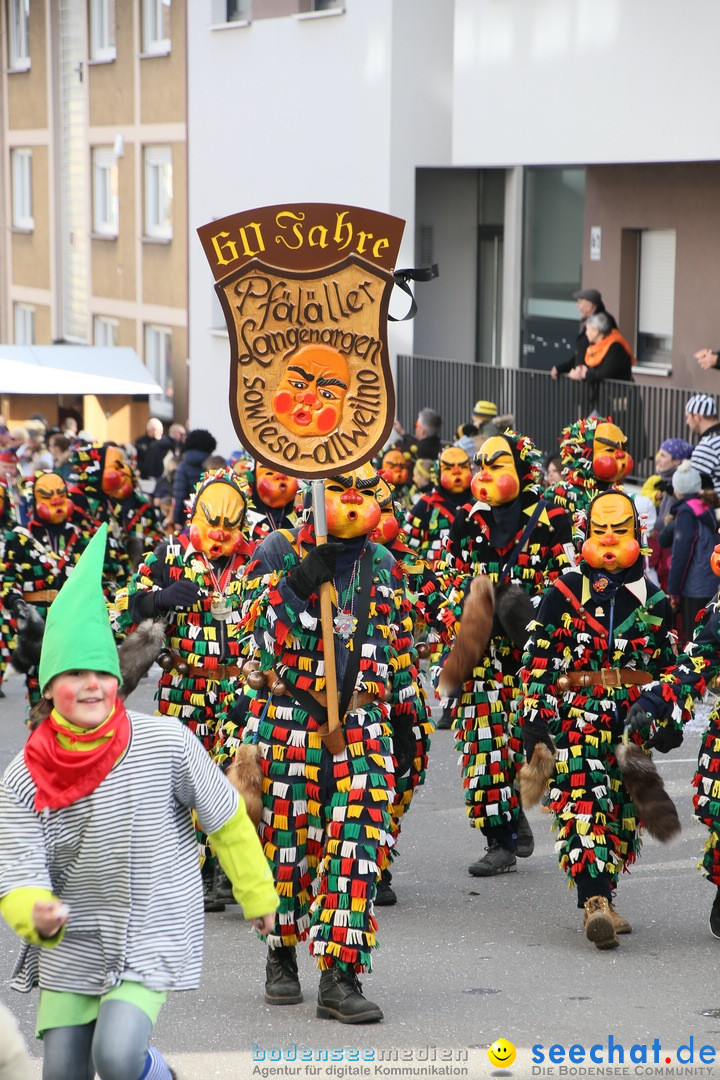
x=359 y=697
x=219 y=671
x=45 y=596
x=607 y=677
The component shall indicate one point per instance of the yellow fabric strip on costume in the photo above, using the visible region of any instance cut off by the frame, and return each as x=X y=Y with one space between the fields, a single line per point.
x=242 y=859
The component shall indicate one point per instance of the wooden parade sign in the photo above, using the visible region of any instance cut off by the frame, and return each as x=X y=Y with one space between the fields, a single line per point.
x=305 y=289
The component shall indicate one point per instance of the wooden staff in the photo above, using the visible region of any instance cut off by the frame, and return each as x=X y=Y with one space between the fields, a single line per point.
x=332 y=734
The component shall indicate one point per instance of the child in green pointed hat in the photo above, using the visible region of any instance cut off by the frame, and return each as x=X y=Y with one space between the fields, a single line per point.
x=95 y=789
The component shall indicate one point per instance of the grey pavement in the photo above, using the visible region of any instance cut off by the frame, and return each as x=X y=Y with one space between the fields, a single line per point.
x=462 y=962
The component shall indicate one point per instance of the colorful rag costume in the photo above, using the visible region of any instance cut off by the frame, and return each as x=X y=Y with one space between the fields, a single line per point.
x=523 y=543
x=326 y=818
x=428 y=522
x=7 y=630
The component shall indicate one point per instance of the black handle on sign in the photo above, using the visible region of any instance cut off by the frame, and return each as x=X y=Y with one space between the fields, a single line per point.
x=425 y=273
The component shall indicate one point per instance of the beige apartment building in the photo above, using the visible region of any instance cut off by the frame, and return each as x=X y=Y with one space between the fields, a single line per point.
x=93 y=201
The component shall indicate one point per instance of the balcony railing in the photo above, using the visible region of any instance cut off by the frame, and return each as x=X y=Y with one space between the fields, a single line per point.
x=541 y=406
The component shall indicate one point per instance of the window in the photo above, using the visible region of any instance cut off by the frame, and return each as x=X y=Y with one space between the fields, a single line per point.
x=106 y=331
x=158 y=356
x=102 y=30
x=22 y=213
x=18 y=36
x=24 y=324
x=158 y=192
x=656 y=296
x=156 y=27
x=105 y=192
x=230 y=11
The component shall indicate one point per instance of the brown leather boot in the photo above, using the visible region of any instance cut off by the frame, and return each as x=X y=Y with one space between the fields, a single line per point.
x=622 y=926
x=598 y=923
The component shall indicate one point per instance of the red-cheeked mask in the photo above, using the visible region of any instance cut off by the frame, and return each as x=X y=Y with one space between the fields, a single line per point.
x=216 y=523
x=351 y=508
x=455 y=471
x=611 y=460
x=388 y=527
x=395 y=468
x=715 y=560
x=275 y=488
x=52 y=505
x=117 y=479
x=310 y=395
x=612 y=543
x=496 y=482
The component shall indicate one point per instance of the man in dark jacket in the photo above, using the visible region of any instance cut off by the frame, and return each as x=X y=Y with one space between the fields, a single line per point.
x=199 y=444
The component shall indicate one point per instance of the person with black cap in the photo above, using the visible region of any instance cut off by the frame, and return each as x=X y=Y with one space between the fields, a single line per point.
x=589 y=302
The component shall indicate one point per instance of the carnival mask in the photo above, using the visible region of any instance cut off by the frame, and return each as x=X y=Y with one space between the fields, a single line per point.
x=496 y=482
x=350 y=504
x=52 y=505
x=455 y=471
x=217 y=520
x=275 y=488
x=612 y=542
x=309 y=398
x=395 y=468
x=611 y=460
x=117 y=479
x=388 y=527
x=715 y=560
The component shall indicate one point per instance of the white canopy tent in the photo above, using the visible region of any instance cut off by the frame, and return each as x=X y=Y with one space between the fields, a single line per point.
x=73 y=369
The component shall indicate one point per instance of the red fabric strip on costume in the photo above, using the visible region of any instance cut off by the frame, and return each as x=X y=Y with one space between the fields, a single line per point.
x=64 y=776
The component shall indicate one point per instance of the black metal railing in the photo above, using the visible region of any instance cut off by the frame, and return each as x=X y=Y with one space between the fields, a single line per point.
x=541 y=406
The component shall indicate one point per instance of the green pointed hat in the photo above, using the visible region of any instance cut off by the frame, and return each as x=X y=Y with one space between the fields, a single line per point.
x=77 y=635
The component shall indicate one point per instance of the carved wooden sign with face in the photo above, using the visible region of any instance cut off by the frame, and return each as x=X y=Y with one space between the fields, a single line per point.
x=305 y=289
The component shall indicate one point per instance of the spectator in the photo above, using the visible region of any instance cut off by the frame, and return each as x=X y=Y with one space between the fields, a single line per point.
x=701 y=417
x=553 y=470
x=199 y=444
x=59 y=449
x=589 y=302
x=485 y=418
x=659 y=488
x=425 y=443
x=150 y=450
x=691 y=581
x=708 y=358
x=608 y=356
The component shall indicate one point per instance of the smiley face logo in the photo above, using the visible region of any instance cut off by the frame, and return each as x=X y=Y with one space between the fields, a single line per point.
x=501 y=1053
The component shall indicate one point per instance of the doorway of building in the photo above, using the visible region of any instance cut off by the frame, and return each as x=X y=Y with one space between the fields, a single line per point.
x=488 y=330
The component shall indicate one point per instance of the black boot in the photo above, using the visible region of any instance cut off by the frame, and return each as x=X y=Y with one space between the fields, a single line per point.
x=340 y=997
x=445 y=721
x=715 y=916
x=211 y=900
x=384 y=892
x=282 y=985
x=525 y=844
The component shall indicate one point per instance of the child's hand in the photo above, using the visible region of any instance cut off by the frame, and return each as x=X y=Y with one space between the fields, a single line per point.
x=264 y=923
x=49 y=917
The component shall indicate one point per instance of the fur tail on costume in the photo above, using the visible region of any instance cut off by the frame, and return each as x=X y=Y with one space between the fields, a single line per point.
x=654 y=806
x=138 y=652
x=245 y=775
x=514 y=611
x=30 y=631
x=472 y=637
x=534 y=775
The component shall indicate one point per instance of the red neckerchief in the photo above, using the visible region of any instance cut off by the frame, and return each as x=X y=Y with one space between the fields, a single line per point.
x=63 y=776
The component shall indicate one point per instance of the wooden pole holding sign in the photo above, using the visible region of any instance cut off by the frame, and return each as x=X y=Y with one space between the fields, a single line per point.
x=305 y=289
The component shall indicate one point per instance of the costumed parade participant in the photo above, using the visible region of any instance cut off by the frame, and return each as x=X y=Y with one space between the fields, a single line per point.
x=97 y=846
x=396 y=467
x=7 y=630
x=271 y=502
x=427 y=526
x=326 y=809
x=594 y=457
x=665 y=704
x=192 y=583
x=512 y=544
x=602 y=630
x=103 y=487
x=38 y=558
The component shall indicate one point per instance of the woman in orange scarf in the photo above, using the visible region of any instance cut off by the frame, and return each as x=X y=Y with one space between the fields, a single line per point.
x=608 y=355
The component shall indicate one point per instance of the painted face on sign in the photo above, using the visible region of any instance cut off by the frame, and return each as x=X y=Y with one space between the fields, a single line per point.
x=310 y=395
x=612 y=543
x=455 y=471
x=217 y=520
x=117 y=481
x=611 y=460
x=496 y=482
x=350 y=504
x=52 y=505
x=395 y=468
x=275 y=488
x=388 y=527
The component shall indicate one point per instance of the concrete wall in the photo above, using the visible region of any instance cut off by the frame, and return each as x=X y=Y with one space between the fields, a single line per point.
x=582 y=81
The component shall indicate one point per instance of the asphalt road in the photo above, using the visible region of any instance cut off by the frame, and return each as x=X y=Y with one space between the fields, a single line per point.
x=462 y=962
